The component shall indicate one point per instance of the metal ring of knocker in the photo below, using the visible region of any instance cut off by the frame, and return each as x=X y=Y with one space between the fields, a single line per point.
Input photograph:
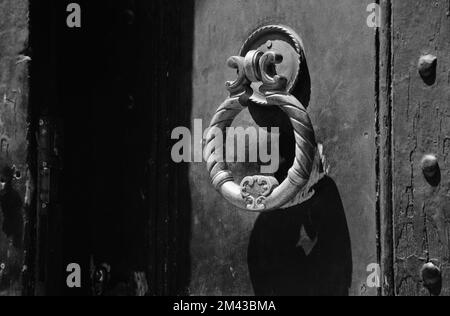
x=257 y=66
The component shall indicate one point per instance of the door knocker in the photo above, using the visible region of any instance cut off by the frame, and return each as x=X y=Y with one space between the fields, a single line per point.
x=267 y=67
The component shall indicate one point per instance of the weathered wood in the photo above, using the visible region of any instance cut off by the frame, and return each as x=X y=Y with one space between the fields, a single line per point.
x=340 y=51
x=421 y=126
x=120 y=84
x=384 y=143
x=15 y=194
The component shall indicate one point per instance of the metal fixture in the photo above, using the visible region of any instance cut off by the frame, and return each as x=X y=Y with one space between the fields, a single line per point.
x=427 y=66
x=432 y=278
x=267 y=68
x=430 y=166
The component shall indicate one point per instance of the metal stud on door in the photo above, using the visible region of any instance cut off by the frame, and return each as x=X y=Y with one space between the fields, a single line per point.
x=268 y=69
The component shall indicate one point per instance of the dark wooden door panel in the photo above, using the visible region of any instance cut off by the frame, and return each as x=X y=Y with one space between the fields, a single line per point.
x=421 y=126
x=16 y=182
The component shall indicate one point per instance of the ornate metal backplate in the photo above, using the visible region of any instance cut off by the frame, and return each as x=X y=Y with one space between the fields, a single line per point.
x=284 y=41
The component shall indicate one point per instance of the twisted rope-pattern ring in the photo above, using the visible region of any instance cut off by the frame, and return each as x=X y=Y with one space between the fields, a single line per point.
x=275 y=196
x=305 y=140
x=305 y=143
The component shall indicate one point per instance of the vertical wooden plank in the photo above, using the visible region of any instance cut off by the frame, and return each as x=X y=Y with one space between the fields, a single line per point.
x=152 y=160
x=165 y=90
x=16 y=183
x=42 y=131
x=421 y=126
x=384 y=143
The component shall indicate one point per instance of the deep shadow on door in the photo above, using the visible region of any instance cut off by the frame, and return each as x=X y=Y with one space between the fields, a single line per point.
x=279 y=265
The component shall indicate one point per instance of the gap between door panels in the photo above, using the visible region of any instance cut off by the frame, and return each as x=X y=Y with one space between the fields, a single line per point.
x=384 y=144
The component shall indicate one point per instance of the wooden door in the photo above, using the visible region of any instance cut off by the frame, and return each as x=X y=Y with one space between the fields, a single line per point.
x=238 y=253
x=421 y=127
x=16 y=211
x=138 y=223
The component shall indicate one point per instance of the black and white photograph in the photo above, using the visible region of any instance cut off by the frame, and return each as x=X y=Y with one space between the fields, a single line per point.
x=224 y=155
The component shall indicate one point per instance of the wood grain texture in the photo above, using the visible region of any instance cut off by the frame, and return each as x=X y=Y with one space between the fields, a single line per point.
x=384 y=144
x=421 y=126
x=14 y=194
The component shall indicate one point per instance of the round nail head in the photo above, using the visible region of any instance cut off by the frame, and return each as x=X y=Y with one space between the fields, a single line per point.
x=427 y=65
x=432 y=278
x=430 y=165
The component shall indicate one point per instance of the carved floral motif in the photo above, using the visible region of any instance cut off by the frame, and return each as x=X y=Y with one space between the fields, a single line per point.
x=256 y=189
